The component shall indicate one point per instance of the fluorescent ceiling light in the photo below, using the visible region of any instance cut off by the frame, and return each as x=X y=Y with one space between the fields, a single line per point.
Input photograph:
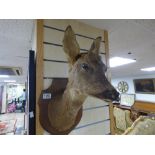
x=4 y=76
x=148 y=69
x=118 y=61
x=10 y=81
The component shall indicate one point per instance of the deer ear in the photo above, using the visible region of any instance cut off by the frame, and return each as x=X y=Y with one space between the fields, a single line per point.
x=96 y=45
x=70 y=45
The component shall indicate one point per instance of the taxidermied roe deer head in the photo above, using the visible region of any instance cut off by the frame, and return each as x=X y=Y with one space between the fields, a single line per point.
x=86 y=77
x=87 y=71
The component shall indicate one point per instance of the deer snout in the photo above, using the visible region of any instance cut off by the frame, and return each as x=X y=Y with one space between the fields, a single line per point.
x=112 y=94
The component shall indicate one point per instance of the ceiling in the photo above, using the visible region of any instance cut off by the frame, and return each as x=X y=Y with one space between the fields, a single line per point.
x=15 y=43
x=135 y=36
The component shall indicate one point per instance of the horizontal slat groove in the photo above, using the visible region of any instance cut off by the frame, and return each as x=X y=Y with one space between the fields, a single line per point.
x=47 y=77
x=53 y=28
x=91 y=108
x=54 y=44
x=52 y=78
x=59 y=45
x=90 y=124
x=60 y=61
x=80 y=35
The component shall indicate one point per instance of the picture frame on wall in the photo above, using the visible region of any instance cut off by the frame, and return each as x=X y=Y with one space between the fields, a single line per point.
x=144 y=86
x=127 y=99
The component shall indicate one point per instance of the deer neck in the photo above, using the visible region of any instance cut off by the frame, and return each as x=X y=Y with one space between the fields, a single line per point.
x=66 y=109
x=73 y=99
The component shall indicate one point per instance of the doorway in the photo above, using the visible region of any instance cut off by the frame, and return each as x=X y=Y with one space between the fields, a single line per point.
x=13 y=108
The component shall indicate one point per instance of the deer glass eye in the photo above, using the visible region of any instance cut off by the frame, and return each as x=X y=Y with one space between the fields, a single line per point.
x=85 y=66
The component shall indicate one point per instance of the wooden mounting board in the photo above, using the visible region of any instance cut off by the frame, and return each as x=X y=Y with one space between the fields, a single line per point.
x=57 y=87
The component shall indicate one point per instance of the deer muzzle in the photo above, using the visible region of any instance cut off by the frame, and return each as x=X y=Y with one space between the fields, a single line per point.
x=112 y=95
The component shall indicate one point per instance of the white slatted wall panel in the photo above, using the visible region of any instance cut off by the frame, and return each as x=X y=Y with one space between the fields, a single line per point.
x=95 y=119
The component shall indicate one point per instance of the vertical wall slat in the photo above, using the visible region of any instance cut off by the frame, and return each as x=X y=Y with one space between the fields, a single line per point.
x=106 y=39
x=40 y=65
x=39 y=72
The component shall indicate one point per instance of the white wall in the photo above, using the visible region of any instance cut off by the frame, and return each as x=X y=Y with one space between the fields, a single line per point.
x=129 y=80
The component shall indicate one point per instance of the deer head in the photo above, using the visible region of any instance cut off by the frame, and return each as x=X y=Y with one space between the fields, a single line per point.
x=87 y=71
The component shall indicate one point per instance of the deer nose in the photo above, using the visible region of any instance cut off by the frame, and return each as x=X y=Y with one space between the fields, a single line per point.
x=115 y=95
x=112 y=94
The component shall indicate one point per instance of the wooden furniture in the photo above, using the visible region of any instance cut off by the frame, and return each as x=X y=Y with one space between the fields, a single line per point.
x=139 y=108
x=144 y=107
x=122 y=120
